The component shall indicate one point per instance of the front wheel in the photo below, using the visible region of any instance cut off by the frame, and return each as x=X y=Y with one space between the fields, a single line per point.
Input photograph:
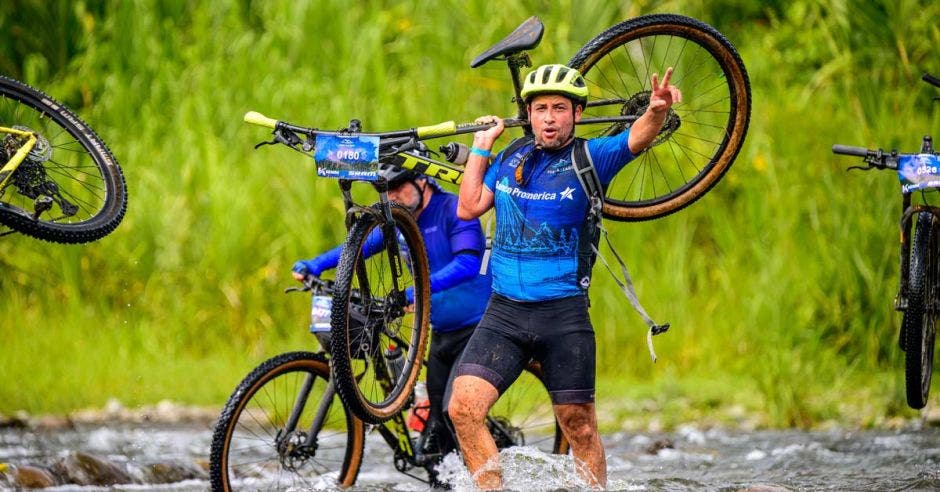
x=69 y=188
x=701 y=135
x=266 y=437
x=377 y=342
x=919 y=324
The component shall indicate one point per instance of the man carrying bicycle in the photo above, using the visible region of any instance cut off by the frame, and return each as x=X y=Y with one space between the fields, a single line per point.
x=539 y=306
x=459 y=292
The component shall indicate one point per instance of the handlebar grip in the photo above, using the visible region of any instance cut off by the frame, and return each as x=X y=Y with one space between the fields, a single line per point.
x=438 y=130
x=848 y=150
x=930 y=79
x=256 y=118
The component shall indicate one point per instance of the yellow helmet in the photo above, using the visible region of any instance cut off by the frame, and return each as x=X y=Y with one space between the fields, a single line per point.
x=555 y=79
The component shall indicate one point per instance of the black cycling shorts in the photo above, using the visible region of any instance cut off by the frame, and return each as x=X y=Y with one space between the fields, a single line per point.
x=556 y=333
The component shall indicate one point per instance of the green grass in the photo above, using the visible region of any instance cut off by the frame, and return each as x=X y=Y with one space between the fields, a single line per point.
x=778 y=284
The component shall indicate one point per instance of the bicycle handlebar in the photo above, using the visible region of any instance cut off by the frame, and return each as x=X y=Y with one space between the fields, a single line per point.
x=256 y=118
x=849 y=150
x=875 y=159
x=313 y=283
x=444 y=129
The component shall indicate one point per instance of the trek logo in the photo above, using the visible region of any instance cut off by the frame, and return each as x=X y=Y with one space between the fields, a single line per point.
x=428 y=167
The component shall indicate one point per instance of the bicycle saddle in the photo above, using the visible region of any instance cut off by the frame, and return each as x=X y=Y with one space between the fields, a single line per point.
x=525 y=37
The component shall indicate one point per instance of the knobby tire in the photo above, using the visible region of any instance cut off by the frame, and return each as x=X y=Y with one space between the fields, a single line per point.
x=70 y=155
x=702 y=135
x=244 y=454
x=359 y=368
x=919 y=323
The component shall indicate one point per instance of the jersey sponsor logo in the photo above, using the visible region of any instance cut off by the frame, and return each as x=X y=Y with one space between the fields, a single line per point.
x=567 y=193
x=560 y=166
x=514 y=192
x=430 y=229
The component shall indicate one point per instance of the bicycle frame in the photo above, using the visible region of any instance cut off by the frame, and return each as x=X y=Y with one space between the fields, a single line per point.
x=19 y=156
x=907 y=218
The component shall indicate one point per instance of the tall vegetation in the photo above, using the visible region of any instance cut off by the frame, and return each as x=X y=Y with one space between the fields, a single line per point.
x=778 y=284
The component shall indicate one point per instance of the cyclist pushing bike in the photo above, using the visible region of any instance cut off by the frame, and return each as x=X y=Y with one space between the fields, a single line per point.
x=459 y=291
x=543 y=250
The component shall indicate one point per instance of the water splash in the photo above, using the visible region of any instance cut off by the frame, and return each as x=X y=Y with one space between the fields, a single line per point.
x=523 y=467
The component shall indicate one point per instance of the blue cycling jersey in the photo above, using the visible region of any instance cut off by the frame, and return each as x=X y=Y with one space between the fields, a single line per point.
x=538 y=225
x=447 y=240
x=454 y=247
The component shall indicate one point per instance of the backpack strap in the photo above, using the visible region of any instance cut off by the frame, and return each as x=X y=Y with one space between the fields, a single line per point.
x=590 y=233
x=517 y=144
x=488 y=244
x=591 y=183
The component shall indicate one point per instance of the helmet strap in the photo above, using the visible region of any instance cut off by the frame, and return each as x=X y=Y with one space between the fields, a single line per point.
x=421 y=190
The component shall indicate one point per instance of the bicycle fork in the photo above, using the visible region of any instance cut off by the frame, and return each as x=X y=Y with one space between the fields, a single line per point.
x=390 y=237
x=295 y=450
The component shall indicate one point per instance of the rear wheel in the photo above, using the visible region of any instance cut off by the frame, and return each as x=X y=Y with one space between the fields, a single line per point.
x=69 y=188
x=256 y=447
x=919 y=325
x=523 y=416
x=369 y=319
x=701 y=136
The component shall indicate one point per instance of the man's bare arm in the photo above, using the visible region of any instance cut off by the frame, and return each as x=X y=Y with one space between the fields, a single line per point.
x=476 y=199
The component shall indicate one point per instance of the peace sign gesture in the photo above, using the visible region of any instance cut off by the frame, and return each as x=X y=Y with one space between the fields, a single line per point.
x=663 y=95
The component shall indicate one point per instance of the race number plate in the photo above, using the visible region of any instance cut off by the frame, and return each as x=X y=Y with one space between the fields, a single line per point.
x=320 y=310
x=919 y=171
x=347 y=157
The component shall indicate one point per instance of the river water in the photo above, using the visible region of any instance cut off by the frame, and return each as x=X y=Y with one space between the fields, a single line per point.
x=687 y=459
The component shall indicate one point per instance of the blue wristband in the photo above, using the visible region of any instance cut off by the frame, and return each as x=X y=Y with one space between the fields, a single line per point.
x=480 y=152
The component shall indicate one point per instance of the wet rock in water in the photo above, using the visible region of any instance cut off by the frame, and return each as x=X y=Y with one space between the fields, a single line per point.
x=85 y=469
x=659 y=445
x=32 y=477
x=932 y=416
x=175 y=472
x=15 y=422
x=764 y=488
x=51 y=423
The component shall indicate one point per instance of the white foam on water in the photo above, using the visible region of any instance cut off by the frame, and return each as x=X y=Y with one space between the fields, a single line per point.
x=691 y=434
x=892 y=442
x=755 y=455
x=523 y=468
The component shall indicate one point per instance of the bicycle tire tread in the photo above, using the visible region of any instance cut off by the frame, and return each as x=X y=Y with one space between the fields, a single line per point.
x=107 y=219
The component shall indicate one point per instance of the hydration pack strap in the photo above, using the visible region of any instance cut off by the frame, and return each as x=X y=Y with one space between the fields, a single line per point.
x=587 y=176
x=488 y=245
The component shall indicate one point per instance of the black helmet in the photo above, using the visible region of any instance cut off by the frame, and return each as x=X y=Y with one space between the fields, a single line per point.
x=397 y=176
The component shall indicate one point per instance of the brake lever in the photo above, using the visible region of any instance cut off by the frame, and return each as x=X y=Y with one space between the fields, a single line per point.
x=305 y=288
x=272 y=142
